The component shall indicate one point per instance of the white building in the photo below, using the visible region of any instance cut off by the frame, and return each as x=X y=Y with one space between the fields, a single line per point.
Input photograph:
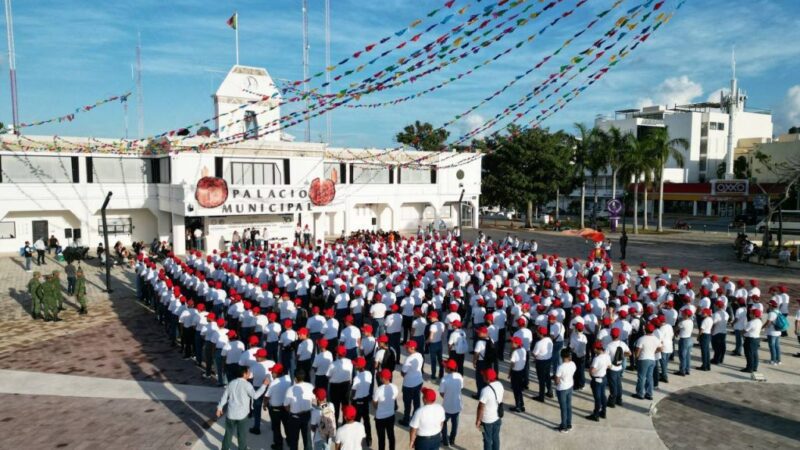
x=262 y=182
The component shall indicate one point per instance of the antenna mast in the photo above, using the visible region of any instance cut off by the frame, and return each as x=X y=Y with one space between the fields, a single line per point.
x=12 y=65
x=139 y=90
x=733 y=108
x=305 y=70
x=328 y=118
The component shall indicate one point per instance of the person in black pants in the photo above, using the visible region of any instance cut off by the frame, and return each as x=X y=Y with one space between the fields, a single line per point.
x=298 y=412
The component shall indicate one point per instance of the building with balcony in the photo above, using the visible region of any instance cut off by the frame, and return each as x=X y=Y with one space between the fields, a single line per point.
x=244 y=176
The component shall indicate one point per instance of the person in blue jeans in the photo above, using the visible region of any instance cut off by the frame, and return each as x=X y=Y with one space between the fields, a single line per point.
x=704 y=339
x=600 y=365
x=564 y=383
x=685 y=328
x=490 y=401
x=646 y=348
x=773 y=334
x=435 y=331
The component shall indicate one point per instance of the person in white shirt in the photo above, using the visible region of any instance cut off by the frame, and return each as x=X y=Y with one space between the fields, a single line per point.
x=383 y=399
x=458 y=345
x=340 y=374
x=434 y=341
x=752 y=339
x=600 y=365
x=667 y=335
x=298 y=405
x=704 y=338
x=577 y=345
x=773 y=333
x=350 y=435
x=322 y=422
x=564 y=383
x=517 y=373
x=426 y=426
x=685 y=328
x=542 y=355
x=739 y=322
x=490 y=402
x=646 y=348
x=617 y=351
x=261 y=376
x=412 y=381
x=275 y=396
x=360 y=398
x=450 y=390
x=322 y=362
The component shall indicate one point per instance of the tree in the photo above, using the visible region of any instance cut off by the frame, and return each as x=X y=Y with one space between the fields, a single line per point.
x=616 y=145
x=794 y=130
x=663 y=148
x=423 y=136
x=526 y=168
x=741 y=168
x=788 y=173
x=636 y=165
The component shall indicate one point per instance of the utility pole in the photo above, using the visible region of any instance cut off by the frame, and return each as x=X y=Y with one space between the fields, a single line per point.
x=12 y=65
x=305 y=70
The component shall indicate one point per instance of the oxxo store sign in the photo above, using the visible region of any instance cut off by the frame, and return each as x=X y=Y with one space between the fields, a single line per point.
x=730 y=187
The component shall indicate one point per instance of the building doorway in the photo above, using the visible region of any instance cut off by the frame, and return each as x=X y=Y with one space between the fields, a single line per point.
x=40 y=230
x=195 y=233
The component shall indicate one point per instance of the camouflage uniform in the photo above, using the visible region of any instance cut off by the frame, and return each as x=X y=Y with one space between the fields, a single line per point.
x=33 y=290
x=49 y=300
x=57 y=289
x=80 y=291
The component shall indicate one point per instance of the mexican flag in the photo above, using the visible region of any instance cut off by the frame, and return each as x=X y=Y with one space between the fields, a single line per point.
x=233 y=22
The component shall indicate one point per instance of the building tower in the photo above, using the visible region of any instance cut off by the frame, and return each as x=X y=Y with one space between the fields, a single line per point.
x=732 y=104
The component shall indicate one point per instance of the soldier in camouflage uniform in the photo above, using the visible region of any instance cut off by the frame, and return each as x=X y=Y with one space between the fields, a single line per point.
x=57 y=289
x=49 y=295
x=80 y=291
x=33 y=290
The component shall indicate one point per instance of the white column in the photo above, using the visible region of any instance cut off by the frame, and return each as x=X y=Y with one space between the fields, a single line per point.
x=178 y=235
x=708 y=209
x=319 y=226
x=694 y=208
x=475 y=215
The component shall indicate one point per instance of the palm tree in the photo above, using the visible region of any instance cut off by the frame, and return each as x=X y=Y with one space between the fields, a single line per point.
x=583 y=151
x=597 y=161
x=635 y=164
x=617 y=145
x=664 y=148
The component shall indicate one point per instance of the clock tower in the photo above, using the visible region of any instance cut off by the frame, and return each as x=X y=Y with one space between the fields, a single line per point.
x=247 y=106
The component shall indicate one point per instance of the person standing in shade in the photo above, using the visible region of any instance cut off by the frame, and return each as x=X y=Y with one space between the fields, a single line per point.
x=752 y=338
x=490 y=410
x=27 y=252
x=517 y=373
x=458 y=345
x=773 y=334
x=80 y=291
x=426 y=425
x=450 y=390
x=384 y=398
x=40 y=247
x=564 y=382
x=276 y=395
x=36 y=299
x=238 y=396
x=340 y=375
x=617 y=351
x=361 y=393
x=350 y=435
x=323 y=421
x=70 y=271
x=600 y=365
x=260 y=370
x=704 y=339
x=542 y=355
x=719 y=332
x=623 y=245
x=412 y=381
x=322 y=363
x=646 y=348
x=685 y=328
x=298 y=404
x=434 y=338
x=667 y=336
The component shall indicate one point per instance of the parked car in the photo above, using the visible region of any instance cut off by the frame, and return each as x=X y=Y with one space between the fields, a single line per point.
x=744 y=219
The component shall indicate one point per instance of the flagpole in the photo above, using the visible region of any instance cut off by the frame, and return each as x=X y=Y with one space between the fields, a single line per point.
x=236 y=29
x=12 y=65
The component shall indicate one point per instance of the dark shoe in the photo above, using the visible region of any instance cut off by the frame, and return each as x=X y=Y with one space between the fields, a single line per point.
x=514 y=409
x=637 y=396
x=403 y=423
x=619 y=403
x=648 y=397
x=680 y=374
x=745 y=370
x=549 y=395
x=255 y=431
x=663 y=380
x=603 y=415
x=611 y=405
x=593 y=418
x=539 y=399
x=558 y=428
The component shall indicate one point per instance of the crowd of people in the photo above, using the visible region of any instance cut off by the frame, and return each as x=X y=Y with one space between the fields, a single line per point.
x=317 y=335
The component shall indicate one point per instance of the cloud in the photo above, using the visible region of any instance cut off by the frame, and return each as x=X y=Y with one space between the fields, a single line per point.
x=788 y=113
x=470 y=123
x=714 y=95
x=673 y=91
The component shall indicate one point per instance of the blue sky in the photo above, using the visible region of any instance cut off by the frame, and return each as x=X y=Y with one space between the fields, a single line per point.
x=74 y=53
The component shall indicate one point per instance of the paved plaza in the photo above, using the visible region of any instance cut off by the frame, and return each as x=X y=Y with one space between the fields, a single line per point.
x=109 y=379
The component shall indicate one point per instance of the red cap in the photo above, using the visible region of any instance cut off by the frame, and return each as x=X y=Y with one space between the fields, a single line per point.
x=598 y=345
x=428 y=395
x=231 y=334
x=411 y=344
x=542 y=330
x=482 y=330
x=650 y=328
x=451 y=364
x=349 y=412
x=615 y=332
x=321 y=394
x=456 y=324
x=490 y=375
x=516 y=341
x=277 y=369
x=261 y=353
x=386 y=374
x=341 y=350
x=302 y=331
x=757 y=313
x=253 y=340
x=360 y=363
x=579 y=326
x=323 y=343
x=367 y=328
x=383 y=339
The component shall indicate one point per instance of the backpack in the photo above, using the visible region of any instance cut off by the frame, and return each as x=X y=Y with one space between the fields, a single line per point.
x=22 y=251
x=327 y=422
x=619 y=356
x=780 y=324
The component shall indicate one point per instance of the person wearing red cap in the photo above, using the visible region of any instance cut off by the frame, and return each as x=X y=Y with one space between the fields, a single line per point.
x=304 y=352
x=323 y=420
x=685 y=328
x=774 y=326
x=488 y=417
x=322 y=362
x=517 y=373
x=435 y=334
x=360 y=396
x=600 y=365
x=647 y=346
x=739 y=324
x=617 y=350
x=287 y=342
x=704 y=338
x=238 y=396
x=412 y=380
x=260 y=370
x=450 y=390
x=483 y=355
x=577 y=345
x=340 y=374
x=394 y=328
x=425 y=431
x=350 y=337
x=298 y=404
x=385 y=356
x=383 y=399
x=232 y=351
x=457 y=345
x=350 y=436
x=542 y=355
x=752 y=339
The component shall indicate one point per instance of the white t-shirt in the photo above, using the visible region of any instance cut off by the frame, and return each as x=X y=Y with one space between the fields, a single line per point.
x=299 y=397
x=601 y=363
x=361 y=384
x=450 y=389
x=772 y=316
x=412 y=370
x=753 y=328
x=564 y=374
x=518 y=358
x=350 y=435
x=436 y=331
x=647 y=346
x=611 y=350
x=543 y=350
x=385 y=395
x=685 y=328
x=490 y=401
x=428 y=420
